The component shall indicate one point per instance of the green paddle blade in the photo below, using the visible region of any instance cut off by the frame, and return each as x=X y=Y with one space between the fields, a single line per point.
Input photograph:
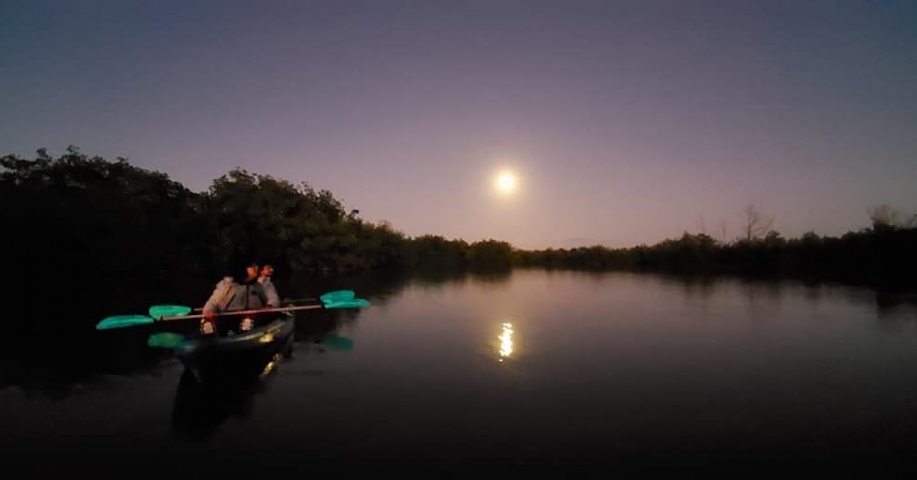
x=337 y=342
x=159 y=311
x=337 y=296
x=353 y=303
x=165 y=340
x=122 y=321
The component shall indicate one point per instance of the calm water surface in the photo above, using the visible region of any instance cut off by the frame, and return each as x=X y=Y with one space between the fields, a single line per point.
x=531 y=367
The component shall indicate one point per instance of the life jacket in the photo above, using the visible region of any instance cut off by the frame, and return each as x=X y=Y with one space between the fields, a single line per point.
x=246 y=296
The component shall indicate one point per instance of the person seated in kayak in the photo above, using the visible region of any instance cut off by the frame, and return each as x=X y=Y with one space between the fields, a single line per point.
x=267 y=271
x=241 y=292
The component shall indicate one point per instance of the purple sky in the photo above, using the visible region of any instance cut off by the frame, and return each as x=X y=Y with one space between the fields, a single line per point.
x=627 y=121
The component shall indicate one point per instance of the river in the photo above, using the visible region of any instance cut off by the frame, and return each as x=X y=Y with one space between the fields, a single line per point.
x=529 y=367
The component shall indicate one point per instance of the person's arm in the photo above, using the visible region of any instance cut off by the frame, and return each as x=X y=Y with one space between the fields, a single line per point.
x=213 y=303
x=273 y=299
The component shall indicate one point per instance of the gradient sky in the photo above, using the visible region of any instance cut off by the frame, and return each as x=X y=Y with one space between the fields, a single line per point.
x=626 y=121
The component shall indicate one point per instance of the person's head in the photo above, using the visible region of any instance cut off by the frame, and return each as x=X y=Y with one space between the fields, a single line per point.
x=251 y=271
x=267 y=270
x=243 y=269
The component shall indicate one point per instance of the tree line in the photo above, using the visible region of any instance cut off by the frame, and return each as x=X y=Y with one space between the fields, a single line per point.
x=80 y=225
x=94 y=221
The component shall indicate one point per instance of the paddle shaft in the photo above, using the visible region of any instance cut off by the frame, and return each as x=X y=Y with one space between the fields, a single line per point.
x=243 y=312
x=298 y=300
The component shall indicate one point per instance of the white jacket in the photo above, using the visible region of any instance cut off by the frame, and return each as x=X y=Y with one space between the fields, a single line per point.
x=270 y=291
x=229 y=295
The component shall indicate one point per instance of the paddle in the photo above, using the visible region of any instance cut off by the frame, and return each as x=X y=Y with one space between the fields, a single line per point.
x=337 y=342
x=165 y=340
x=285 y=301
x=123 y=321
x=157 y=311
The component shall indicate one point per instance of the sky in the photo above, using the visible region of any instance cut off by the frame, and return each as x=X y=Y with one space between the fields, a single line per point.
x=626 y=122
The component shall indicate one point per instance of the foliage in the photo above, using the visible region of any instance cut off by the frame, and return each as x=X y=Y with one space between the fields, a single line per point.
x=116 y=229
x=91 y=217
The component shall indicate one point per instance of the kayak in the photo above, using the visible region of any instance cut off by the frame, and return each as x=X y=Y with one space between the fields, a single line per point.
x=239 y=355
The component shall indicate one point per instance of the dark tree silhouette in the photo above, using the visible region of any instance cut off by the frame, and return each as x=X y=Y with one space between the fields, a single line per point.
x=755 y=223
x=106 y=235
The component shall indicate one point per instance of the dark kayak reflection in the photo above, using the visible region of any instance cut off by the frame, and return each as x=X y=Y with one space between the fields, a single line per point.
x=201 y=406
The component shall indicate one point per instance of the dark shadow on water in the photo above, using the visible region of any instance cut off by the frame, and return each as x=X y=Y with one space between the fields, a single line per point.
x=753 y=290
x=896 y=311
x=699 y=287
x=61 y=364
x=56 y=369
x=896 y=308
x=200 y=407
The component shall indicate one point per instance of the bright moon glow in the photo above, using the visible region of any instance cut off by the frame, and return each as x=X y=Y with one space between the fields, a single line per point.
x=506 y=341
x=506 y=183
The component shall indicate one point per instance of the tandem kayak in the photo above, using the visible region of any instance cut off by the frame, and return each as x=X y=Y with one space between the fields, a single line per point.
x=241 y=354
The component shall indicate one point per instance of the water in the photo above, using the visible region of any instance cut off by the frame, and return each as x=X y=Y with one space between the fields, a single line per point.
x=530 y=367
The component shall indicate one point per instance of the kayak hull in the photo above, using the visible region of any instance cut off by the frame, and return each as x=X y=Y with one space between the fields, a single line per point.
x=239 y=356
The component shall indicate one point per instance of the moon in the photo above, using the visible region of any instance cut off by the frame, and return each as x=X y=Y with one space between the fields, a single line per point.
x=505 y=183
